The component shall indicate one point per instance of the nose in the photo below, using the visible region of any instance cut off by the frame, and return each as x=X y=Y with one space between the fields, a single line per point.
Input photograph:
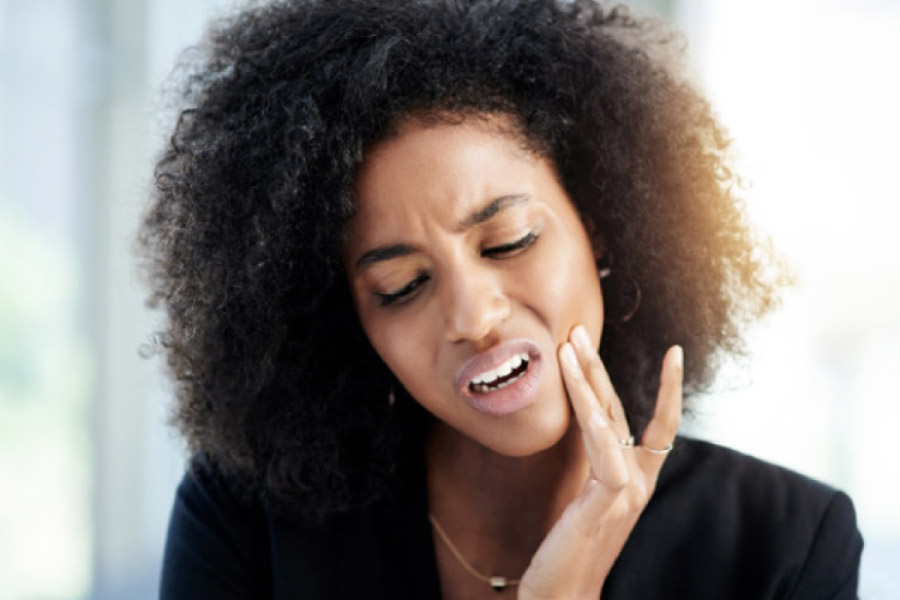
x=474 y=304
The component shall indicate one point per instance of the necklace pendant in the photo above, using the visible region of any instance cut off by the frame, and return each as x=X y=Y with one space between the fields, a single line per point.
x=498 y=583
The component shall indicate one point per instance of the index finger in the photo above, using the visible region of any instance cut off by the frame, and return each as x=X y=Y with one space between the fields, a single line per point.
x=579 y=390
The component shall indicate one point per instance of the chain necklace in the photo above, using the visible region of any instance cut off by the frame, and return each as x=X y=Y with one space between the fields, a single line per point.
x=497 y=582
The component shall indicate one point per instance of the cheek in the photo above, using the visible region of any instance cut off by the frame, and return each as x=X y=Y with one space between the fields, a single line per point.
x=404 y=348
x=569 y=292
x=388 y=342
x=589 y=296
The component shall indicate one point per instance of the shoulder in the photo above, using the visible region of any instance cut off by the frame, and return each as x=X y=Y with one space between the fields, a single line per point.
x=227 y=542
x=735 y=525
x=217 y=542
x=709 y=475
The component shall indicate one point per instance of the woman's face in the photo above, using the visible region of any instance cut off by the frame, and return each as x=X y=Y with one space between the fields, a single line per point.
x=469 y=266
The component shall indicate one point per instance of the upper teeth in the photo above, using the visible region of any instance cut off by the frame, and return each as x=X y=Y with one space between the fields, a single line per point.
x=501 y=370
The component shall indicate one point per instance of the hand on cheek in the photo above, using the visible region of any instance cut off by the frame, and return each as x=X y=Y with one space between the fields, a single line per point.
x=576 y=555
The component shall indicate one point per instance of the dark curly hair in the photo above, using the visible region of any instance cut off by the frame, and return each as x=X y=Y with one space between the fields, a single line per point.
x=276 y=381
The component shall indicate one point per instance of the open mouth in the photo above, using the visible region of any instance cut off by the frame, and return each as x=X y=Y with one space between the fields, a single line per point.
x=502 y=380
x=501 y=376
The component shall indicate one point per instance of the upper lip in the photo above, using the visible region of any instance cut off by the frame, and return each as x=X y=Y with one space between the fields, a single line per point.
x=492 y=358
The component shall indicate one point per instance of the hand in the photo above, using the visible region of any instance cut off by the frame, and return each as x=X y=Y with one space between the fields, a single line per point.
x=578 y=553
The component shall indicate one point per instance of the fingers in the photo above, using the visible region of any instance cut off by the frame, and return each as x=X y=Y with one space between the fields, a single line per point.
x=591 y=390
x=583 y=399
x=601 y=441
x=608 y=464
x=598 y=378
x=593 y=367
x=661 y=430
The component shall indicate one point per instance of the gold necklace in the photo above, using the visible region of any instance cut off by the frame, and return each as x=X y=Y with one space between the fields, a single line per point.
x=497 y=582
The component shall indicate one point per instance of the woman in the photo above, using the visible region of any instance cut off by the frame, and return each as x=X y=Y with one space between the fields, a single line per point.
x=391 y=237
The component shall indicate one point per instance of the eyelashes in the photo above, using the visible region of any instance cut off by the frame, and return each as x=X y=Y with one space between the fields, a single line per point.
x=500 y=252
x=511 y=249
x=386 y=299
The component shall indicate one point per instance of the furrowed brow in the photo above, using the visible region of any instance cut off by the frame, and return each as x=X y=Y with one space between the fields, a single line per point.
x=382 y=253
x=492 y=208
x=485 y=213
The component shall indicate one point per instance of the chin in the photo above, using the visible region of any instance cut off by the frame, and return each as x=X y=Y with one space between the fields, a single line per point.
x=536 y=431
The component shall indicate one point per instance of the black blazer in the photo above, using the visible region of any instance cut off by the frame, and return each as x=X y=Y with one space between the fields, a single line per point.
x=720 y=525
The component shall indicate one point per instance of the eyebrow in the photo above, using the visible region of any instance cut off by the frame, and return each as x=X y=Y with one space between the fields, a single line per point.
x=485 y=213
x=492 y=208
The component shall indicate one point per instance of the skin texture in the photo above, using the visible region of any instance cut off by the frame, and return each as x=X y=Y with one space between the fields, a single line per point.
x=535 y=490
x=414 y=189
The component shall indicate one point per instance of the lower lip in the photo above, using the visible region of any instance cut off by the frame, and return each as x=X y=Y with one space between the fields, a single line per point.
x=510 y=399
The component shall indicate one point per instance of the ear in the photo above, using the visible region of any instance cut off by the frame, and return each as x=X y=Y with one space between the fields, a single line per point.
x=598 y=240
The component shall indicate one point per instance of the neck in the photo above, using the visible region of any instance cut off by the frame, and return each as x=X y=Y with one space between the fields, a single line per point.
x=497 y=509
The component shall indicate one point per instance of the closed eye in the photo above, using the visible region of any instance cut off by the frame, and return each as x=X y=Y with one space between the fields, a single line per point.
x=511 y=249
x=499 y=252
x=402 y=294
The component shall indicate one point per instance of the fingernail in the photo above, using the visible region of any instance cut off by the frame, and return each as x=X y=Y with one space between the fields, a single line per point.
x=598 y=421
x=580 y=337
x=568 y=355
x=679 y=357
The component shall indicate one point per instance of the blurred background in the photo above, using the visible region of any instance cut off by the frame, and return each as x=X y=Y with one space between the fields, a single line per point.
x=808 y=88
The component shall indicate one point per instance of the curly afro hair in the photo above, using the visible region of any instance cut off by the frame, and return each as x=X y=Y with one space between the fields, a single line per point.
x=276 y=382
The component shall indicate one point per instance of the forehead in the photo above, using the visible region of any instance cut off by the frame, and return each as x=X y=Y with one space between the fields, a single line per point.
x=441 y=172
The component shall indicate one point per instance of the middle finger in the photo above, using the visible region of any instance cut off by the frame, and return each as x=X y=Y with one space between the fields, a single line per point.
x=608 y=463
x=598 y=379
